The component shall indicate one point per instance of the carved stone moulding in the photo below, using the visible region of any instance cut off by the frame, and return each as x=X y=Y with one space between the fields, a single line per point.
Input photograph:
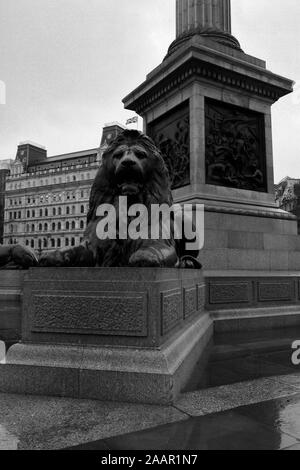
x=196 y=68
x=251 y=291
x=107 y=310
x=219 y=36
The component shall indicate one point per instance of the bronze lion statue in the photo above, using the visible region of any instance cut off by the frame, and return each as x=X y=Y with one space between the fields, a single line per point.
x=134 y=168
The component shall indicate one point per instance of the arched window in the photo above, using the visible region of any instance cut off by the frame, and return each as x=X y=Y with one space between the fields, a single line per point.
x=28 y=214
x=54 y=211
x=41 y=212
x=40 y=227
x=67 y=242
x=81 y=225
x=32 y=227
x=46 y=227
x=82 y=209
x=53 y=227
x=73 y=225
x=73 y=242
x=46 y=212
x=32 y=243
x=59 y=226
x=68 y=210
x=67 y=225
x=45 y=243
x=52 y=243
x=40 y=244
x=73 y=210
x=58 y=243
x=59 y=211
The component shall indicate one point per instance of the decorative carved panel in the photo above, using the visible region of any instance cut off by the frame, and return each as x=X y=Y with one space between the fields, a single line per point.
x=171 y=310
x=190 y=302
x=235 y=147
x=171 y=134
x=275 y=291
x=228 y=293
x=103 y=314
x=200 y=297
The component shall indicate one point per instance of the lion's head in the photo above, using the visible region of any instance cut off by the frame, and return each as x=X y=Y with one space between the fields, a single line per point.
x=132 y=166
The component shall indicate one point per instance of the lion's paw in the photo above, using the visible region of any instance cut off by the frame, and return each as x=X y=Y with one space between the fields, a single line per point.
x=54 y=259
x=145 y=259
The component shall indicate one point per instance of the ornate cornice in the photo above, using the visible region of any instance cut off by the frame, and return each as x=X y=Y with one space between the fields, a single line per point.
x=195 y=69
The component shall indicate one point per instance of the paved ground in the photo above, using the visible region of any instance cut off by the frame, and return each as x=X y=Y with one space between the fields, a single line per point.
x=257 y=408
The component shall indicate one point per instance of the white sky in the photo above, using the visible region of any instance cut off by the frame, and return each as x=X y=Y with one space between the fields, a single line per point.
x=67 y=64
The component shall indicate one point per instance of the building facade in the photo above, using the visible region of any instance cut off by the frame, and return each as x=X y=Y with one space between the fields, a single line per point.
x=5 y=166
x=47 y=198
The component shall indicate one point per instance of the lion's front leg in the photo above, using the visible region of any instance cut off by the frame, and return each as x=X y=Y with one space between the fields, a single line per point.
x=154 y=254
x=80 y=256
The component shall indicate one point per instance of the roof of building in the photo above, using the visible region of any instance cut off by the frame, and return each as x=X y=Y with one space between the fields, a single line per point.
x=69 y=156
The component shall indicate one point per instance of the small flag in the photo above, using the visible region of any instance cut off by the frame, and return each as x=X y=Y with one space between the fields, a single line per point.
x=132 y=120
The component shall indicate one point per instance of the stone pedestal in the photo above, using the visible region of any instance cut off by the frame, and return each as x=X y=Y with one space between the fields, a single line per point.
x=109 y=334
x=208 y=108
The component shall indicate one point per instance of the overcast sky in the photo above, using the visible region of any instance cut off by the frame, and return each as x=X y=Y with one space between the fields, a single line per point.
x=67 y=64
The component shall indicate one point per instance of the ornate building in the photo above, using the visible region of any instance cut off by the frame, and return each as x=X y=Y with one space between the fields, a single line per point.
x=4 y=173
x=46 y=199
x=288 y=196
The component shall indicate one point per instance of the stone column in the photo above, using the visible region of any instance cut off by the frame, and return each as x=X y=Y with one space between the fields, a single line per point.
x=209 y=19
x=203 y=14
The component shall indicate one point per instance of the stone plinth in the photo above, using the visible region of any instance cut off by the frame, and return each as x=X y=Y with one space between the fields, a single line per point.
x=208 y=108
x=11 y=287
x=109 y=334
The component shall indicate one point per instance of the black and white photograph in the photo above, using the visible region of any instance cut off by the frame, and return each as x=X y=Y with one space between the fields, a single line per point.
x=149 y=228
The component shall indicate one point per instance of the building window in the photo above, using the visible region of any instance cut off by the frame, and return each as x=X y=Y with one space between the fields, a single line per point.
x=52 y=243
x=73 y=242
x=67 y=242
x=59 y=211
x=32 y=243
x=82 y=225
x=53 y=227
x=54 y=212
x=40 y=227
x=73 y=225
x=46 y=227
x=73 y=210
x=68 y=210
x=41 y=212
x=67 y=225
x=58 y=243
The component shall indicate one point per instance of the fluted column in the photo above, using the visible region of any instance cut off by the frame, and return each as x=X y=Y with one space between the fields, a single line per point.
x=210 y=19
x=203 y=14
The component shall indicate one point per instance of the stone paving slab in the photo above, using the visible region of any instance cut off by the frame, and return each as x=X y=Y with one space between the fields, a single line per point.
x=43 y=423
x=227 y=397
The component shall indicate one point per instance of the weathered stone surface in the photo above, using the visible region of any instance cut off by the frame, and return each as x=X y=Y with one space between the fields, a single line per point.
x=117 y=374
x=103 y=306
